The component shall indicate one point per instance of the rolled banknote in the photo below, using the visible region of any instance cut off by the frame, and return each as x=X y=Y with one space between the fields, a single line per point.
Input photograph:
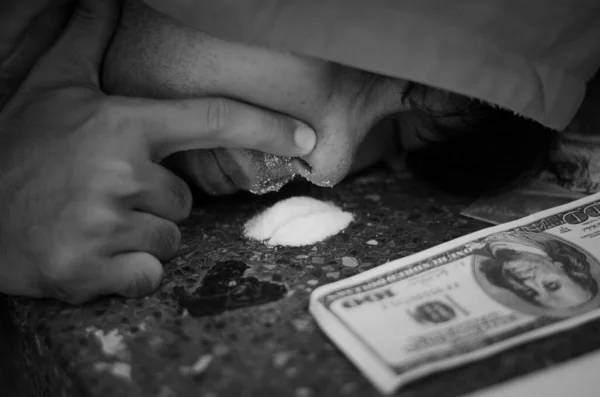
x=468 y=298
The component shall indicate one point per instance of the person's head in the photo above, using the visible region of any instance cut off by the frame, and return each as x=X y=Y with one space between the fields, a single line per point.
x=153 y=55
x=556 y=277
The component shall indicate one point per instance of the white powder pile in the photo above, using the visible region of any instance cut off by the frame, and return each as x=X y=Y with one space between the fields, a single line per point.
x=297 y=221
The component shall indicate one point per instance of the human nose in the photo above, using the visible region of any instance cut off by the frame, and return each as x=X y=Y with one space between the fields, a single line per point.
x=339 y=137
x=332 y=157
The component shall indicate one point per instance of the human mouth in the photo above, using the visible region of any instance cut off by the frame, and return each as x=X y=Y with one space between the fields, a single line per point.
x=207 y=174
x=257 y=172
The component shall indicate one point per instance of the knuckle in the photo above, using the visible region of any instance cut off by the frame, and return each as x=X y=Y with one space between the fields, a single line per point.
x=218 y=112
x=271 y=124
x=269 y=129
x=113 y=116
x=61 y=282
x=99 y=221
x=84 y=18
x=61 y=267
x=106 y=110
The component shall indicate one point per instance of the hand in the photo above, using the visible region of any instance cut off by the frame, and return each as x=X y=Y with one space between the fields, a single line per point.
x=86 y=209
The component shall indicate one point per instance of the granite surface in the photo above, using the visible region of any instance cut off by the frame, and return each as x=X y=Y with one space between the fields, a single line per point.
x=231 y=317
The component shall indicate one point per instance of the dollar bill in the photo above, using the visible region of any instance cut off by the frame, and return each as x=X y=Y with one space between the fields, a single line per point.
x=468 y=298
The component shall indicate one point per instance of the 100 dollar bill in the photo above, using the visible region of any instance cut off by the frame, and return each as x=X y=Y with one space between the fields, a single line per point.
x=468 y=298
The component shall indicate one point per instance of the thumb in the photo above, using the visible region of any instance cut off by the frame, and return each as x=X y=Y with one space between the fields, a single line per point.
x=176 y=125
x=78 y=53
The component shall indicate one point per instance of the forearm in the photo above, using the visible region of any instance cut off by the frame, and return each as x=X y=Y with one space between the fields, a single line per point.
x=27 y=29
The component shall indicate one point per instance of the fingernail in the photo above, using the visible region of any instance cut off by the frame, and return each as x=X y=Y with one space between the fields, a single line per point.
x=305 y=138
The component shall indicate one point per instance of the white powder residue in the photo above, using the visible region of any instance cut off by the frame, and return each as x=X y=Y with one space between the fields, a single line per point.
x=119 y=369
x=111 y=342
x=267 y=164
x=274 y=172
x=297 y=221
x=198 y=367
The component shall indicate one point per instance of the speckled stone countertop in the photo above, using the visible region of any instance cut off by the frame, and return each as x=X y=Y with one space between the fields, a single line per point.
x=231 y=318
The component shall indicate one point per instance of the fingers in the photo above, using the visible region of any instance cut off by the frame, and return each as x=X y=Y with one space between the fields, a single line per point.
x=202 y=171
x=132 y=274
x=165 y=195
x=151 y=234
x=175 y=125
x=133 y=268
x=128 y=274
x=79 y=52
x=137 y=269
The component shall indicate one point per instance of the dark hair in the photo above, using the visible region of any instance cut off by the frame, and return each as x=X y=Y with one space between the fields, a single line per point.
x=485 y=149
x=575 y=265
